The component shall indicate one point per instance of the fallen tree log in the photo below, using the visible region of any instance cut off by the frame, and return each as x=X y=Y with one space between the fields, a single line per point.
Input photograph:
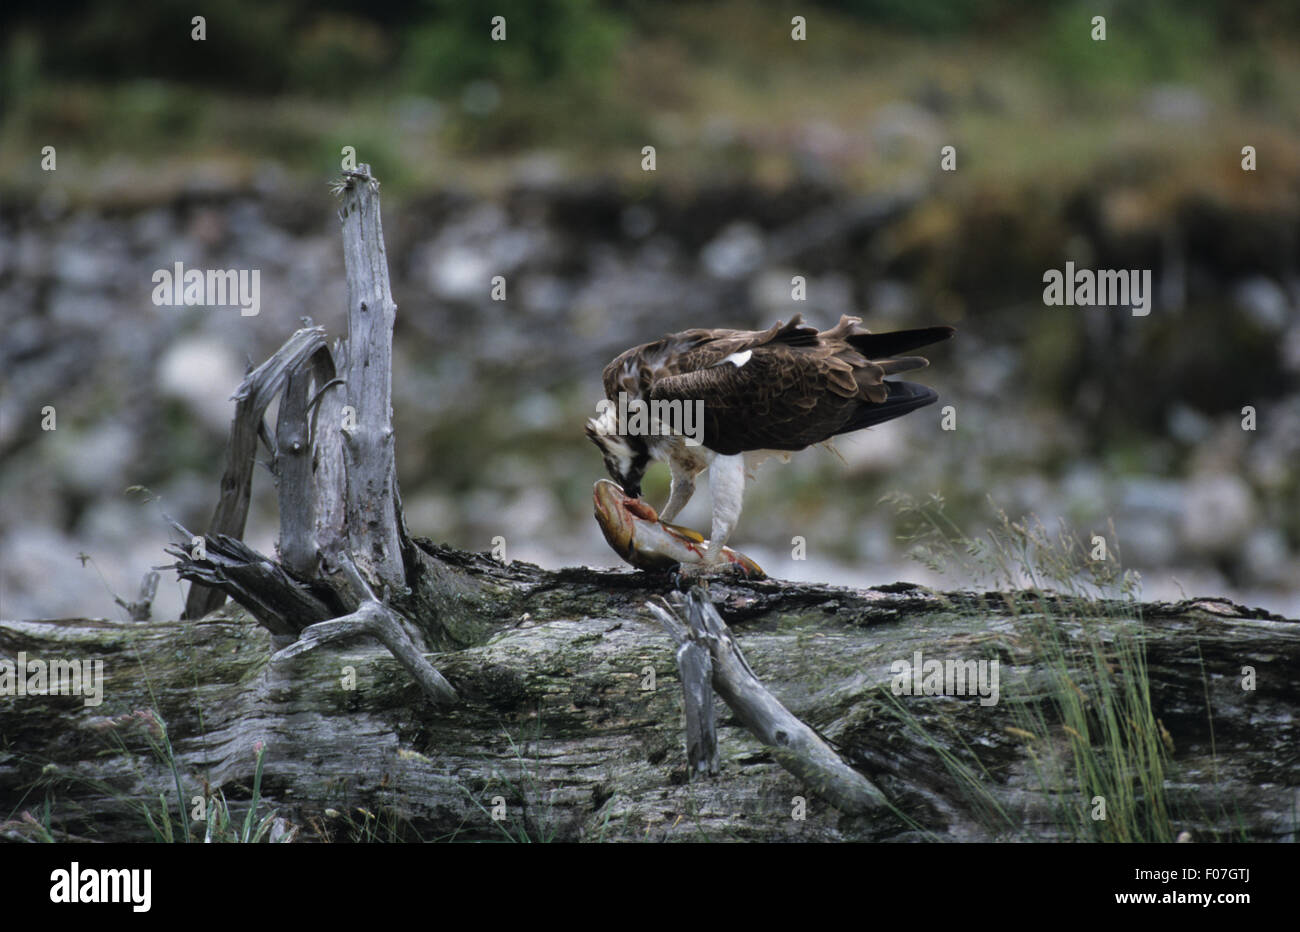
x=569 y=720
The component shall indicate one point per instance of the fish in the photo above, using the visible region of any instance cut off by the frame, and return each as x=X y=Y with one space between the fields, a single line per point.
x=632 y=527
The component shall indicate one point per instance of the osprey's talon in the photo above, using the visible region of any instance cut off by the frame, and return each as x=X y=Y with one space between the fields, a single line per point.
x=690 y=573
x=636 y=534
x=686 y=575
x=680 y=579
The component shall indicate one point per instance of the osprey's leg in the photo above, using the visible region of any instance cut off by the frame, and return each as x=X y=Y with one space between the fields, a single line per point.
x=727 y=489
x=682 y=489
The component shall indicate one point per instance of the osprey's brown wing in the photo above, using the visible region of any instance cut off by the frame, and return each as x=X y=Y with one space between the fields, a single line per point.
x=789 y=387
x=637 y=369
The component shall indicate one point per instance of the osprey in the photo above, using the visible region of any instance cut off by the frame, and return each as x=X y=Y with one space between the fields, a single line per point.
x=760 y=393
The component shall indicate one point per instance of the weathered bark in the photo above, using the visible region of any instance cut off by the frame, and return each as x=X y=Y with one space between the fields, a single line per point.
x=282 y=602
x=796 y=746
x=369 y=447
x=252 y=398
x=341 y=523
x=294 y=464
x=376 y=619
x=553 y=717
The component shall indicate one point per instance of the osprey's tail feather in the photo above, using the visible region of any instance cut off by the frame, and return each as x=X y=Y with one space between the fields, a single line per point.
x=903 y=397
x=884 y=345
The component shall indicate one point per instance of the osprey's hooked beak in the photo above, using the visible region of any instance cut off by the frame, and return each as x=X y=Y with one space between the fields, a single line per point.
x=626 y=458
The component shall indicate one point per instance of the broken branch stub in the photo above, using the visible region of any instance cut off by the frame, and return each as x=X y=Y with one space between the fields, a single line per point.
x=251 y=400
x=373 y=535
x=794 y=745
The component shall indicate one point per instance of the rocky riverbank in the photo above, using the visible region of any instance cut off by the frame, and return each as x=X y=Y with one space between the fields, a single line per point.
x=1089 y=414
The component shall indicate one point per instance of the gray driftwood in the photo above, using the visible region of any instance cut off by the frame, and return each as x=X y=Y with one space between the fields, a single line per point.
x=554 y=717
x=374 y=618
x=341 y=527
x=252 y=397
x=695 y=666
x=793 y=744
x=369 y=442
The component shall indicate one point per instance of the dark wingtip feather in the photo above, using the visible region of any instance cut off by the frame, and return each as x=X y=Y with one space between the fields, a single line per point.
x=904 y=397
x=882 y=345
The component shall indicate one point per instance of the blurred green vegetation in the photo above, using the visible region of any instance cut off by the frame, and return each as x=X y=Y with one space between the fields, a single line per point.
x=281 y=80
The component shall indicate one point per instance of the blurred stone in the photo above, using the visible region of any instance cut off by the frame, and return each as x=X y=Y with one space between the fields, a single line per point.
x=545 y=295
x=515 y=247
x=202 y=374
x=113 y=522
x=52 y=203
x=88 y=256
x=35 y=553
x=669 y=128
x=1084 y=487
x=770 y=291
x=539 y=411
x=206 y=178
x=270 y=177
x=1146 y=542
x=1188 y=425
x=1029 y=493
x=7 y=242
x=31 y=255
x=877 y=541
x=461 y=273
x=78 y=308
x=1271 y=468
x=429 y=514
x=718 y=131
x=1291 y=349
x=735 y=252
x=997 y=365
x=1264 y=301
x=24 y=336
x=1176 y=103
x=187 y=493
x=659 y=253
x=266 y=247
x=888 y=299
x=822 y=150
x=934 y=97
x=1224 y=450
x=897 y=127
x=480 y=98
x=1267 y=559
x=831 y=296
x=874 y=450
x=419 y=114
x=245 y=217
x=1125 y=211
x=637 y=221
x=94 y=460
x=207 y=225
x=1217 y=513
x=152 y=228
x=1162 y=496
x=540 y=170
x=460 y=262
x=530 y=514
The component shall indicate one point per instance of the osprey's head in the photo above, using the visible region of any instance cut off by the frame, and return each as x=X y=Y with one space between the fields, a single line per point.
x=626 y=457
